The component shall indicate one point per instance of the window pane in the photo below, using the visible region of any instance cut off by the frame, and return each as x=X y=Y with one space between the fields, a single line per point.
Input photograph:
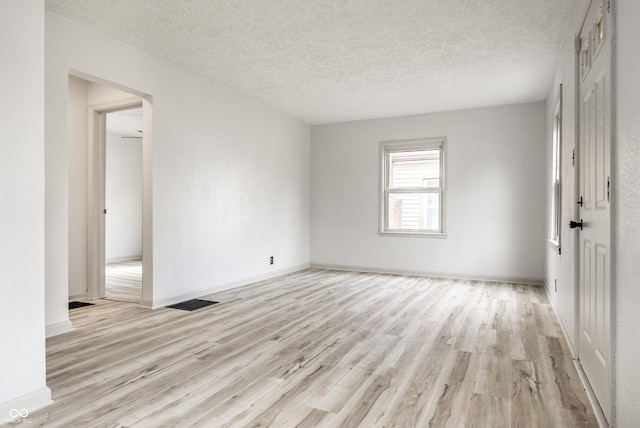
x=414 y=211
x=414 y=169
x=432 y=182
x=556 y=188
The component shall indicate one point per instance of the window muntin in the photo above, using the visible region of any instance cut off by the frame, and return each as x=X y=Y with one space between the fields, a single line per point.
x=412 y=187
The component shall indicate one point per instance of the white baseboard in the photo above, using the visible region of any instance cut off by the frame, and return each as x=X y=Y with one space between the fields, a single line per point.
x=518 y=280
x=602 y=421
x=165 y=301
x=568 y=337
x=58 y=328
x=18 y=409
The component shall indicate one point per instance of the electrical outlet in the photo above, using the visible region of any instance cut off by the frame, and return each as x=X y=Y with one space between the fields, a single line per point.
x=271 y=260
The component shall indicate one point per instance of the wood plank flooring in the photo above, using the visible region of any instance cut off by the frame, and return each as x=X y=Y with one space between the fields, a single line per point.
x=123 y=281
x=321 y=349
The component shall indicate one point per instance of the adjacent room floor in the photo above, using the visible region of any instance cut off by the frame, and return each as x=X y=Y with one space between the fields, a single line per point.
x=321 y=348
x=123 y=281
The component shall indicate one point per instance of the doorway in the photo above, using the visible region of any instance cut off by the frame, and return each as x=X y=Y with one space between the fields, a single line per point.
x=123 y=205
x=92 y=106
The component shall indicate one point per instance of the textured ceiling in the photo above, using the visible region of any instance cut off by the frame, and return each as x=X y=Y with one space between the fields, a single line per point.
x=326 y=61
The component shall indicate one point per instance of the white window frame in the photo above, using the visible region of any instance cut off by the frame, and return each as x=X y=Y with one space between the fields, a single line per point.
x=387 y=147
x=555 y=220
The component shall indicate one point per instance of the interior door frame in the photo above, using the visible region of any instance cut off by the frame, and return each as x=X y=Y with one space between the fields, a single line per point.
x=96 y=202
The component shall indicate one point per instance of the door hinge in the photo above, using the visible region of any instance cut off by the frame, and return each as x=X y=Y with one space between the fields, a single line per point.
x=578 y=44
x=608 y=189
x=609 y=6
x=573 y=157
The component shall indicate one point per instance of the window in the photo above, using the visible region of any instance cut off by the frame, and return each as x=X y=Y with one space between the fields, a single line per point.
x=598 y=33
x=412 y=188
x=556 y=175
x=585 y=56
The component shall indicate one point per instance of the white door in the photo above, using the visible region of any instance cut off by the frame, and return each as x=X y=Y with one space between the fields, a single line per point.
x=594 y=240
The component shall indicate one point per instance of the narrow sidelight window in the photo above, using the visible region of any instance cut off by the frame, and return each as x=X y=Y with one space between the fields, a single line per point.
x=412 y=187
x=556 y=177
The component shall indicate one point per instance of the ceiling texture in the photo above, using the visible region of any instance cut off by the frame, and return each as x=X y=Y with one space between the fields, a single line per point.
x=326 y=61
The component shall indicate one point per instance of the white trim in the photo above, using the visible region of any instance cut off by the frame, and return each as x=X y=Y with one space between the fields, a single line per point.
x=58 y=328
x=177 y=298
x=95 y=236
x=147 y=198
x=30 y=402
x=554 y=244
x=414 y=233
x=516 y=280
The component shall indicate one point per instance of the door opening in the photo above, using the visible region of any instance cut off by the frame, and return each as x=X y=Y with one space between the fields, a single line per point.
x=101 y=161
x=123 y=205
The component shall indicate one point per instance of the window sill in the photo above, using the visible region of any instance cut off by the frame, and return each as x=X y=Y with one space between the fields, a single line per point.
x=414 y=234
x=555 y=245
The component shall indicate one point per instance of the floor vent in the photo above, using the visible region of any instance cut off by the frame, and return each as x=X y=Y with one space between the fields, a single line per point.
x=192 y=305
x=76 y=305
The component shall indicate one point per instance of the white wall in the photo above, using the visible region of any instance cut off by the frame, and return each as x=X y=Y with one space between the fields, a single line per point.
x=230 y=176
x=22 y=271
x=560 y=267
x=123 y=195
x=495 y=198
x=626 y=196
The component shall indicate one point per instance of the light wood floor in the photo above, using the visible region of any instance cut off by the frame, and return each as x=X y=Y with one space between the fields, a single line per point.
x=321 y=348
x=123 y=281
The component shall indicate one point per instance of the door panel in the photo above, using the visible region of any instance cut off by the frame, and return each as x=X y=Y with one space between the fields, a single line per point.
x=601 y=157
x=585 y=164
x=587 y=285
x=594 y=241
